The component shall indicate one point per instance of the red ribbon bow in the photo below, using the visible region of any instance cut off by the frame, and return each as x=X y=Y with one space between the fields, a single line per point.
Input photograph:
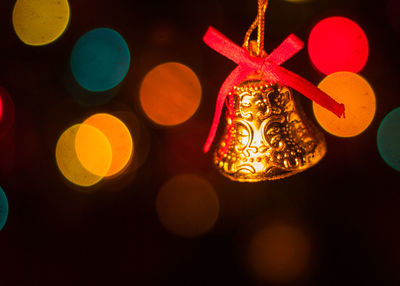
x=271 y=69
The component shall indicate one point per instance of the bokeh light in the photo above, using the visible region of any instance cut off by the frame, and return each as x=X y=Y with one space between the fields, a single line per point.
x=338 y=44
x=119 y=137
x=40 y=22
x=100 y=60
x=3 y=208
x=359 y=99
x=170 y=94
x=1 y=107
x=389 y=139
x=67 y=159
x=7 y=112
x=279 y=253
x=187 y=205
x=93 y=150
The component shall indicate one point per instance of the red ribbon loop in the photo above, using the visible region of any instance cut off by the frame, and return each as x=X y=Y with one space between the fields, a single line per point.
x=271 y=69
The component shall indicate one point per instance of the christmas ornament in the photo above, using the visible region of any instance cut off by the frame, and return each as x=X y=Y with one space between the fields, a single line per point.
x=267 y=136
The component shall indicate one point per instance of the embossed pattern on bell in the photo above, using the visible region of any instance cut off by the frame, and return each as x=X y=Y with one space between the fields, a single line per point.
x=267 y=136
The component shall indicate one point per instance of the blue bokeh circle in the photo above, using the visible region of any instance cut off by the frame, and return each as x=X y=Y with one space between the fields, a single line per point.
x=100 y=59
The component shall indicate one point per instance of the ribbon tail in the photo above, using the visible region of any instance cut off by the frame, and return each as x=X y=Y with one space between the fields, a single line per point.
x=309 y=90
x=237 y=75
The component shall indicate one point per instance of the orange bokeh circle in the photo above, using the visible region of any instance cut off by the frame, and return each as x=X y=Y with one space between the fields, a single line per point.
x=170 y=94
x=119 y=137
x=359 y=99
x=279 y=253
x=187 y=205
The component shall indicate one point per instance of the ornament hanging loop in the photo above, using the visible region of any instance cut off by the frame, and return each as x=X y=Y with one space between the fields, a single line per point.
x=260 y=23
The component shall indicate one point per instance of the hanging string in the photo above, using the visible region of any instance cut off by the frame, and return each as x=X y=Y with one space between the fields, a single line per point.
x=260 y=23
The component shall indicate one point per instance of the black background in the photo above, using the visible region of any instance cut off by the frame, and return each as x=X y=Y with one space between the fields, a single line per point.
x=58 y=235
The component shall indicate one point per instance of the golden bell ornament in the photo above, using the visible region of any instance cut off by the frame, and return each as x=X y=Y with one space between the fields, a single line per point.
x=267 y=136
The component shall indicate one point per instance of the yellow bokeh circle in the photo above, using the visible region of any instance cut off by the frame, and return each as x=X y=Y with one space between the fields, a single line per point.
x=119 y=137
x=100 y=147
x=40 y=22
x=70 y=164
x=187 y=205
x=170 y=94
x=360 y=104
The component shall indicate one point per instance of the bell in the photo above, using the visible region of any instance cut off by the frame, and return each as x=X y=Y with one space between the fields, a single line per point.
x=267 y=136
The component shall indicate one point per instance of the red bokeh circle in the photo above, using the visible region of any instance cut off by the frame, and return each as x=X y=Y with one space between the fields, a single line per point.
x=1 y=107
x=7 y=112
x=338 y=44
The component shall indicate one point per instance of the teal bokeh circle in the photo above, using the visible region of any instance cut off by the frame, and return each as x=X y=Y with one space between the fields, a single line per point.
x=3 y=208
x=100 y=59
x=388 y=139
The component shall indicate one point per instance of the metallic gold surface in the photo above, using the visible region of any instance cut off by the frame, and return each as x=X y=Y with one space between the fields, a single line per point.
x=267 y=136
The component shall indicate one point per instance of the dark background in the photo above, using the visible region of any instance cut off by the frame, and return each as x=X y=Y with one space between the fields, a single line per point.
x=58 y=235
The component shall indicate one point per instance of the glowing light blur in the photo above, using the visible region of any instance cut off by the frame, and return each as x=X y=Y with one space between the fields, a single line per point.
x=1 y=107
x=3 y=208
x=338 y=44
x=40 y=22
x=100 y=60
x=170 y=94
x=388 y=139
x=93 y=150
x=7 y=112
x=187 y=205
x=279 y=253
x=119 y=137
x=67 y=159
x=359 y=99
